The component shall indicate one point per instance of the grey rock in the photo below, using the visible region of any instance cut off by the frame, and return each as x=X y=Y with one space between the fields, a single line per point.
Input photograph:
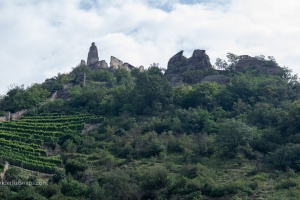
x=179 y=64
x=262 y=66
x=175 y=79
x=63 y=94
x=178 y=58
x=92 y=55
x=221 y=79
x=199 y=59
x=99 y=65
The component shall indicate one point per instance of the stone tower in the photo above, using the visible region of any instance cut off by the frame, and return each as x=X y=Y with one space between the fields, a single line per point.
x=93 y=55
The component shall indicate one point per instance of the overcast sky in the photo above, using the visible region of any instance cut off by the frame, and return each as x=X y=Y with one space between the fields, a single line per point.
x=41 y=38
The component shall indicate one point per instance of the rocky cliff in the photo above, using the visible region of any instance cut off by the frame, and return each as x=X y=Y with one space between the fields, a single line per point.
x=259 y=65
x=195 y=69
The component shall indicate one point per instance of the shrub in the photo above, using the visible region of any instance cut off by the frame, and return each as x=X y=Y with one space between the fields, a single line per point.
x=287 y=156
x=232 y=134
x=74 y=166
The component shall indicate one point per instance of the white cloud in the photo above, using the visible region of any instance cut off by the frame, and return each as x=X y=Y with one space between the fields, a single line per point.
x=42 y=38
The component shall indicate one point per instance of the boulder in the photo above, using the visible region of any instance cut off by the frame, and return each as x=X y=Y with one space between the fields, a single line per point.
x=92 y=55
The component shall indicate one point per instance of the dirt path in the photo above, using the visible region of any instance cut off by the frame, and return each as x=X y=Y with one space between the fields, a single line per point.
x=4 y=171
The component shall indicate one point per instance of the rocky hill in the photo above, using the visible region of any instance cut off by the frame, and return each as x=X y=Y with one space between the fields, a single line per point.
x=198 y=68
x=112 y=131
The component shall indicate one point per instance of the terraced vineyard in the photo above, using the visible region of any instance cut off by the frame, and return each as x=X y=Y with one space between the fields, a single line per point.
x=22 y=142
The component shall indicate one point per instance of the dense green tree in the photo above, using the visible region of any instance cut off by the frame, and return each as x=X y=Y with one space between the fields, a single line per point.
x=73 y=166
x=287 y=156
x=196 y=120
x=19 y=98
x=118 y=185
x=73 y=188
x=232 y=134
x=264 y=115
x=152 y=91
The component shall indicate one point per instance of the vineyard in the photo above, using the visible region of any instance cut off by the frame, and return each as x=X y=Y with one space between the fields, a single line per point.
x=23 y=142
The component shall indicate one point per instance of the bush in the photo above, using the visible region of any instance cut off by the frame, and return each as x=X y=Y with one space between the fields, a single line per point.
x=286 y=184
x=149 y=145
x=73 y=188
x=118 y=184
x=49 y=190
x=155 y=178
x=74 y=166
x=287 y=156
x=232 y=134
x=58 y=175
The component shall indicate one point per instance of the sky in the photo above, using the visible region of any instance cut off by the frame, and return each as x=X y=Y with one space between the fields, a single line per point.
x=41 y=38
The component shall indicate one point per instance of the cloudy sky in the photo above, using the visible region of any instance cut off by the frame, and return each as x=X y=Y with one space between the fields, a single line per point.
x=40 y=38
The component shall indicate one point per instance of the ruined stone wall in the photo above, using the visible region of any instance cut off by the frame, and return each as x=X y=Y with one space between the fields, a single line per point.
x=115 y=63
x=17 y=115
x=13 y=116
x=3 y=119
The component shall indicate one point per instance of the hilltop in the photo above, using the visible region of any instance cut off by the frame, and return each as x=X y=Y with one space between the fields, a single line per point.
x=191 y=131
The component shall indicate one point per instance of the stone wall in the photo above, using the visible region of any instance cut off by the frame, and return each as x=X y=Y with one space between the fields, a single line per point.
x=3 y=119
x=115 y=63
x=13 y=116
x=17 y=115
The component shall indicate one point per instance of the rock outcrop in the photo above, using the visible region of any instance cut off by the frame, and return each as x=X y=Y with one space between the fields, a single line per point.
x=247 y=63
x=99 y=65
x=221 y=79
x=92 y=55
x=176 y=61
x=179 y=65
x=200 y=60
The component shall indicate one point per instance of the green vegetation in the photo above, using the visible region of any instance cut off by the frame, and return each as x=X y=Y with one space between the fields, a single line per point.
x=131 y=135
x=23 y=142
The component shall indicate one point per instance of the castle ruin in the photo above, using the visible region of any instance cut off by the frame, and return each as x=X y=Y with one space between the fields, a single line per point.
x=94 y=63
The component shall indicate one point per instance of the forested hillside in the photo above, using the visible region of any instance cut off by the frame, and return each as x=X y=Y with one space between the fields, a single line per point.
x=119 y=134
